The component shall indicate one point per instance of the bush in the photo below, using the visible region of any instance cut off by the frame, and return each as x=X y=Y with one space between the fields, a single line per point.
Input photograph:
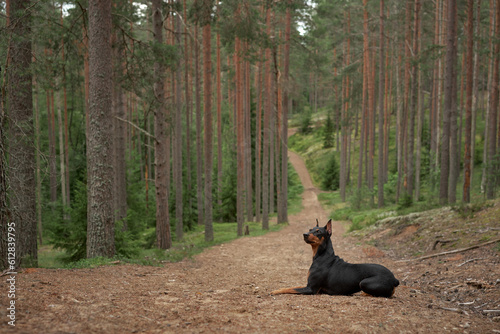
x=328 y=133
x=305 y=122
x=405 y=201
x=71 y=234
x=330 y=175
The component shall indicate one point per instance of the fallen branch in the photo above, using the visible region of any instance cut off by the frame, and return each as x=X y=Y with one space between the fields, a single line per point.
x=467 y=303
x=471 y=260
x=446 y=308
x=453 y=251
x=437 y=242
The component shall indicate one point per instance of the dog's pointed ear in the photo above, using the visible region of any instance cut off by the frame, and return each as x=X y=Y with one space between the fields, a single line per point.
x=317 y=222
x=328 y=227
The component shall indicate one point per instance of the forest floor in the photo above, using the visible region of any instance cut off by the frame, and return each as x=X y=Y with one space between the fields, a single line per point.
x=227 y=287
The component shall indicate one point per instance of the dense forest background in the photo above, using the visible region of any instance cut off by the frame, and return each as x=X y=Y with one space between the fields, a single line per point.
x=125 y=120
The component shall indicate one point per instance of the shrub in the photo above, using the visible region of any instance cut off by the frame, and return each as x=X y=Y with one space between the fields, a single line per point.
x=305 y=122
x=71 y=235
x=330 y=175
x=328 y=133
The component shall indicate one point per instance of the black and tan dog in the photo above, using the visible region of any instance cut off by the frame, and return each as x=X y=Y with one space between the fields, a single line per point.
x=331 y=275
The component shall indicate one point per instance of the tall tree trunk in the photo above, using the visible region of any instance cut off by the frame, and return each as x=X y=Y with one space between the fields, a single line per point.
x=447 y=160
x=199 y=147
x=22 y=164
x=406 y=100
x=240 y=177
x=283 y=205
x=66 y=129
x=370 y=107
x=434 y=100
x=119 y=137
x=207 y=90
x=344 y=157
x=62 y=158
x=469 y=31
x=187 y=92
x=413 y=102
x=163 y=236
x=100 y=215
x=267 y=111
x=389 y=75
x=454 y=129
x=365 y=106
x=248 y=141
x=258 y=140
x=493 y=160
x=38 y=164
x=177 y=163
x=399 y=125
x=279 y=110
x=86 y=72
x=272 y=131
x=490 y=75
x=420 y=124
x=5 y=213
x=52 y=140
x=381 y=110
x=475 y=95
x=364 y=118
x=219 y=123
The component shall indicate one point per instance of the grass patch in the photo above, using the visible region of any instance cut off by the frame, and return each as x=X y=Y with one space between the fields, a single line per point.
x=48 y=257
x=192 y=244
x=363 y=218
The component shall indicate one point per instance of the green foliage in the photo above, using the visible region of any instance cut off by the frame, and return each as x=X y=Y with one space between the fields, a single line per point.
x=295 y=190
x=300 y=143
x=362 y=198
x=328 y=133
x=305 y=121
x=405 y=201
x=390 y=188
x=91 y=263
x=468 y=210
x=193 y=243
x=71 y=234
x=227 y=211
x=359 y=219
x=330 y=176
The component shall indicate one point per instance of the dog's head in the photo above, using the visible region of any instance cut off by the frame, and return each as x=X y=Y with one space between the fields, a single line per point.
x=317 y=235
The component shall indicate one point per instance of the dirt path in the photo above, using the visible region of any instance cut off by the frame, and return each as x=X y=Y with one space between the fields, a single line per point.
x=226 y=289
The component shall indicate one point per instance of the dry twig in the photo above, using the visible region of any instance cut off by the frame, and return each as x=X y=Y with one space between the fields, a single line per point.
x=453 y=251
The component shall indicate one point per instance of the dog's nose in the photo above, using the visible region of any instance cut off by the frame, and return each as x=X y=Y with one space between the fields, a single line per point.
x=306 y=235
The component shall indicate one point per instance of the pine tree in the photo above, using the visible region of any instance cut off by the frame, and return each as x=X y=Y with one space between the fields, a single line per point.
x=163 y=236
x=101 y=220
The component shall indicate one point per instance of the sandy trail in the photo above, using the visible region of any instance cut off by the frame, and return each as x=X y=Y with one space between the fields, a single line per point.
x=226 y=289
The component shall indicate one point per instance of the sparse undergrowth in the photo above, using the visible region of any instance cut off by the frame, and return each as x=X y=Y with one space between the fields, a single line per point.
x=440 y=229
x=193 y=243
